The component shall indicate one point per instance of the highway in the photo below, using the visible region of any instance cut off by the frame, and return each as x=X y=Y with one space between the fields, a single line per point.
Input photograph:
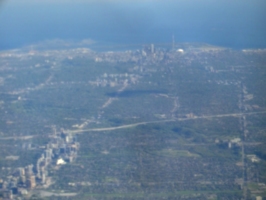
x=163 y=121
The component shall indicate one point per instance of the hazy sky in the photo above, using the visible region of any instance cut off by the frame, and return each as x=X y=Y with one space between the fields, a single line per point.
x=225 y=22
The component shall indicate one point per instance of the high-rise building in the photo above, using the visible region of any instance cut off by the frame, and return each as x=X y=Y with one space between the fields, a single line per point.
x=31 y=182
x=152 y=48
x=43 y=171
x=22 y=180
x=43 y=178
x=38 y=165
x=1 y=183
x=67 y=139
x=47 y=155
x=21 y=171
x=173 y=42
x=29 y=170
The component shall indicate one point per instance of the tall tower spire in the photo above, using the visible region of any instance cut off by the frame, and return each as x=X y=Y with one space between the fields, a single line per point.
x=173 y=41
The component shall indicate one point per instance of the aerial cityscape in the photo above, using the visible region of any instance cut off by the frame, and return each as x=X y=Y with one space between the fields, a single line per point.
x=183 y=121
x=132 y=100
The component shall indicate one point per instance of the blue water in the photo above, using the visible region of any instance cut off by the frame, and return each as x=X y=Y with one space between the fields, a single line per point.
x=229 y=23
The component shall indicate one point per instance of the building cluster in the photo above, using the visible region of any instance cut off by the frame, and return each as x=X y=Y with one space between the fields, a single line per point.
x=231 y=144
x=148 y=55
x=114 y=80
x=60 y=150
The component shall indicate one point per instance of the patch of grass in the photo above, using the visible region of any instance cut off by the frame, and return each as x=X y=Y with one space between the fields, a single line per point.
x=176 y=153
x=187 y=193
x=253 y=186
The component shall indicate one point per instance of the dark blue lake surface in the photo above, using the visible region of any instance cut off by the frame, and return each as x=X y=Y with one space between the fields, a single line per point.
x=235 y=24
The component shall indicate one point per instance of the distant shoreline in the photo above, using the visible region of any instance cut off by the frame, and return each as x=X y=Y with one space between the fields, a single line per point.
x=100 y=46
